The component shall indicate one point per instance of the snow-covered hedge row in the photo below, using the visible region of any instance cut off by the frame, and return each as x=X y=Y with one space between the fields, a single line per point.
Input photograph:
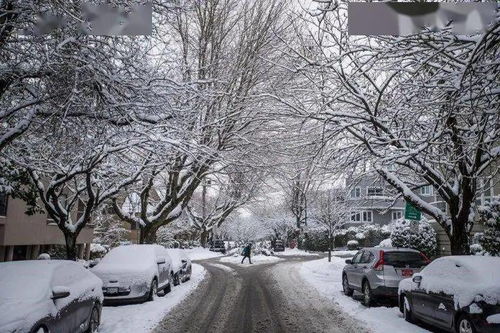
x=366 y=235
x=421 y=237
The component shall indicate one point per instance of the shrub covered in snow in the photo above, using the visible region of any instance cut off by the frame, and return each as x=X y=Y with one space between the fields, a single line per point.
x=366 y=235
x=97 y=251
x=423 y=238
x=490 y=216
x=314 y=240
x=385 y=243
x=352 y=245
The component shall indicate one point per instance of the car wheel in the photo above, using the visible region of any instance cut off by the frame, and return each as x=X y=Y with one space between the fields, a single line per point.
x=407 y=314
x=367 y=294
x=465 y=325
x=153 y=292
x=94 y=320
x=345 y=284
x=41 y=329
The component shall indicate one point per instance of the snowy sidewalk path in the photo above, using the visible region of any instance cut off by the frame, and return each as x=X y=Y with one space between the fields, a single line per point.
x=327 y=279
x=142 y=318
x=269 y=297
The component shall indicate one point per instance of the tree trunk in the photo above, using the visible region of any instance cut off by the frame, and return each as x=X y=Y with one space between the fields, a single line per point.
x=70 y=239
x=459 y=239
x=147 y=235
x=330 y=241
x=204 y=238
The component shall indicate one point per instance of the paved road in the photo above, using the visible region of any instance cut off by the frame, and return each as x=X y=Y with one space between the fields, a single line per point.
x=256 y=298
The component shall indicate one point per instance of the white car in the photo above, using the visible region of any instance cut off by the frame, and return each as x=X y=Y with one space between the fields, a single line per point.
x=40 y=296
x=135 y=273
x=181 y=265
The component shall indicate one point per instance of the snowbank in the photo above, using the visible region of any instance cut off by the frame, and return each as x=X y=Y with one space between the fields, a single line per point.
x=295 y=252
x=142 y=318
x=385 y=243
x=468 y=278
x=200 y=253
x=345 y=254
x=257 y=259
x=327 y=279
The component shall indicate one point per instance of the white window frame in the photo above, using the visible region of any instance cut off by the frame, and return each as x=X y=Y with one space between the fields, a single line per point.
x=361 y=216
x=375 y=187
x=489 y=193
x=396 y=213
x=353 y=216
x=354 y=190
x=365 y=215
x=427 y=190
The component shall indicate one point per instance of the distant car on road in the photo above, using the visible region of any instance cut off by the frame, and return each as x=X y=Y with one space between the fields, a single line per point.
x=457 y=293
x=218 y=246
x=376 y=271
x=181 y=265
x=279 y=246
x=135 y=273
x=41 y=296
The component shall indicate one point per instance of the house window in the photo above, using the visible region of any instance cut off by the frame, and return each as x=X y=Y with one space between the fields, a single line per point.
x=363 y=216
x=374 y=191
x=426 y=190
x=356 y=192
x=396 y=215
x=4 y=199
x=367 y=216
x=355 y=217
x=486 y=188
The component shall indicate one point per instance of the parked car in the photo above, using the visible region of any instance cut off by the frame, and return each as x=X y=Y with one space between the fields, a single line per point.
x=218 y=246
x=279 y=246
x=456 y=293
x=135 y=273
x=181 y=265
x=41 y=296
x=376 y=272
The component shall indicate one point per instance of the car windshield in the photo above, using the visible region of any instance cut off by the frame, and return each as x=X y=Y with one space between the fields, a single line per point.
x=401 y=259
x=128 y=255
x=26 y=281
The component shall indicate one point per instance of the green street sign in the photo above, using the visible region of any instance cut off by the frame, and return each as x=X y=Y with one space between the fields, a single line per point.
x=412 y=213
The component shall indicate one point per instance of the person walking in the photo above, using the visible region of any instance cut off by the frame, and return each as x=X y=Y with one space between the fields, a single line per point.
x=246 y=252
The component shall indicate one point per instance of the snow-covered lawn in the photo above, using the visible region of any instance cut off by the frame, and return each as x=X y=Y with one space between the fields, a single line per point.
x=327 y=279
x=142 y=318
x=257 y=259
x=295 y=252
x=345 y=253
x=200 y=253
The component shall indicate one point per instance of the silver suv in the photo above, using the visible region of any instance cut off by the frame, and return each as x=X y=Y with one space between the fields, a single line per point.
x=376 y=271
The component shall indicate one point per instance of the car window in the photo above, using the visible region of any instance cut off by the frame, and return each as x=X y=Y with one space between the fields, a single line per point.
x=68 y=275
x=357 y=257
x=366 y=257
x=402 y=259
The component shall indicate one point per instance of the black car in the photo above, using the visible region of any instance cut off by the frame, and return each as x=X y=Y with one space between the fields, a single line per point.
x=218 y=246
x=279 y=246
x=41 y=296
x=456 y=293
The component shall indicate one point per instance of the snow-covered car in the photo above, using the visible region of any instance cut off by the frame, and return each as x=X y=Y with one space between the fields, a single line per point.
x=279 y=246
x=181 y=265
x=218 y=246
x=134 y=273
x=456 y=293
x=41 y=296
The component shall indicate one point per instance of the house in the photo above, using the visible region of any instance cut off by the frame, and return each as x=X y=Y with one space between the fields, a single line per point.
x=25 y=236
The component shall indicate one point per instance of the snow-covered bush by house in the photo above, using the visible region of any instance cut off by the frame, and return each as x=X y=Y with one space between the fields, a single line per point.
x=366 y=235
x=423 y=238
x=97 y=251
x=490 y=216
x=352 y=245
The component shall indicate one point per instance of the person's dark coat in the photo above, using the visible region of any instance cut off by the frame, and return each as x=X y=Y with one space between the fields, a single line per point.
x=246 y=251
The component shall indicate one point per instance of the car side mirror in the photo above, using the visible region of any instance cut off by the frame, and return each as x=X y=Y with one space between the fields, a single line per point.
x=160 y=261
x=348 y=261
x=417 y=278
x=60 y=292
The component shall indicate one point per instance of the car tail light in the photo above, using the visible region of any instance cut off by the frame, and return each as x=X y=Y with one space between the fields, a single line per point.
x=379 y=265
x=426 y=260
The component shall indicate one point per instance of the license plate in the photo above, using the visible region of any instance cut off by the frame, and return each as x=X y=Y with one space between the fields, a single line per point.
x=407 y=272
x=112 y=290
